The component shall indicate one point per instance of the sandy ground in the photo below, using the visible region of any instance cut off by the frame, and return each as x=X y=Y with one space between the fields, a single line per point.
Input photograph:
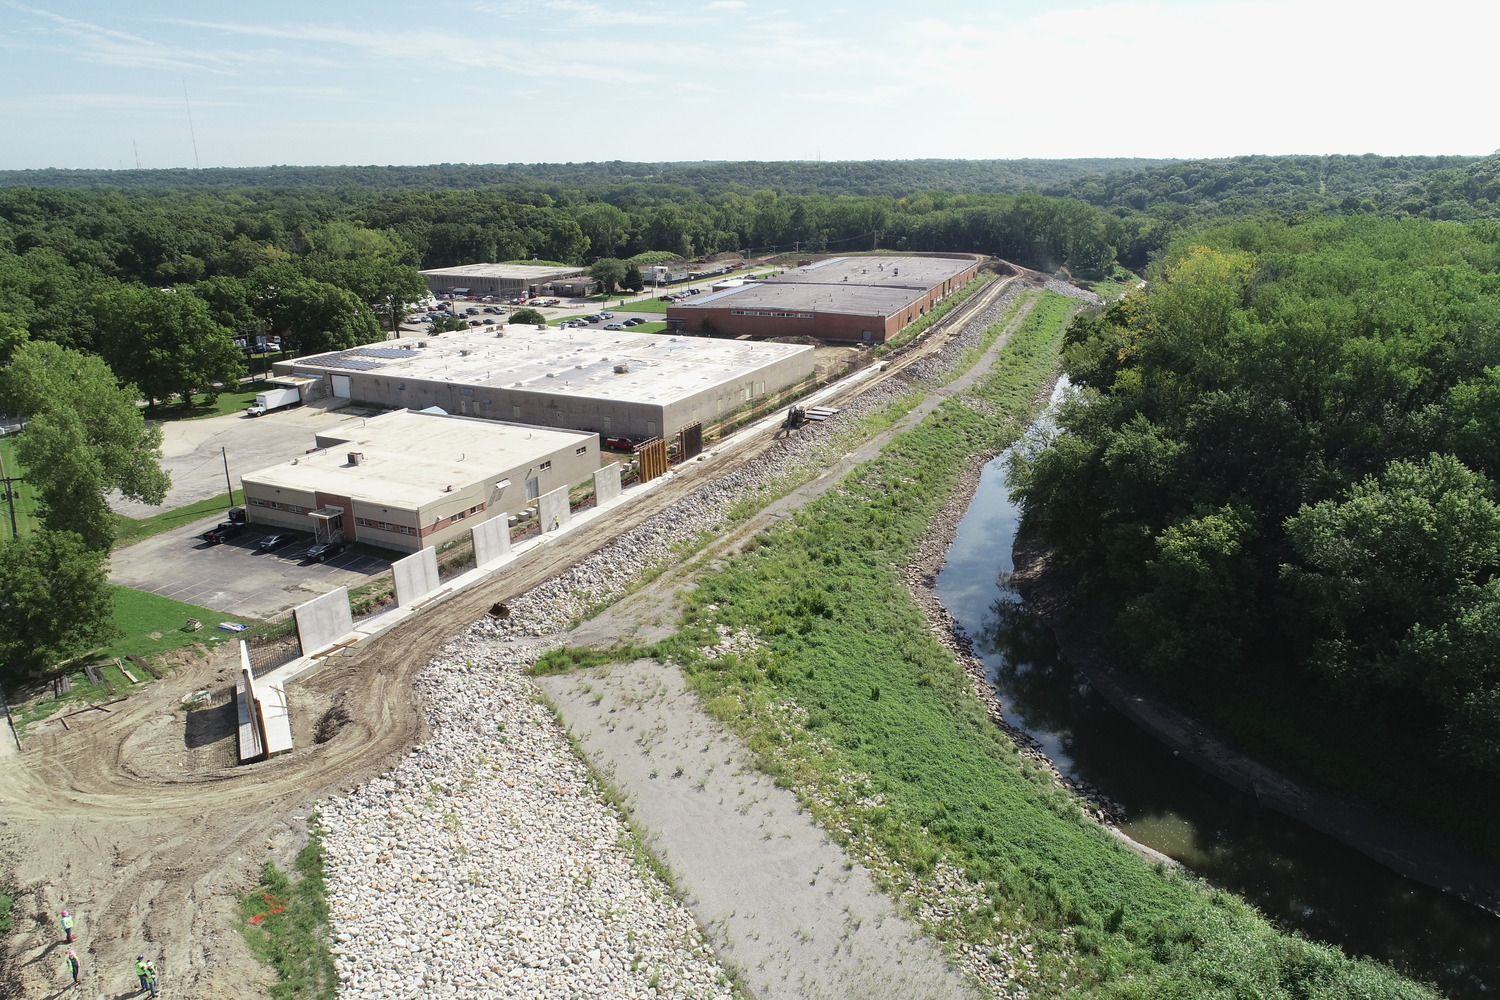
x=138 y=821
x=780 y=901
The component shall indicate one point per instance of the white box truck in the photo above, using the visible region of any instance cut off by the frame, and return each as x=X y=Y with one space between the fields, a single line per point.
x=273 y=399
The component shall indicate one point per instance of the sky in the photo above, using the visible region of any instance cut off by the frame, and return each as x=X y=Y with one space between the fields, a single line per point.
x=165 y=83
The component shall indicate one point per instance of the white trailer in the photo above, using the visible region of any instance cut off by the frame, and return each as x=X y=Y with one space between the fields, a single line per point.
x=273 y=399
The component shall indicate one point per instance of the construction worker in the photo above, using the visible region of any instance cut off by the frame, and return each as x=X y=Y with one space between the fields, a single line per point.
x=140 y=969
x=73 y=965
x=67 y=926
x=151 y=977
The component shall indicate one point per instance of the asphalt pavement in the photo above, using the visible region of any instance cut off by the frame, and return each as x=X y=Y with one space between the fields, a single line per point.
x=234 y=577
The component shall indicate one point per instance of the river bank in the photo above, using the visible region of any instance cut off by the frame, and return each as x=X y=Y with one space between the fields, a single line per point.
x=1415 y=854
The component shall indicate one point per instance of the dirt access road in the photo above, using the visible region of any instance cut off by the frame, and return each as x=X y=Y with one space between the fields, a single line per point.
x=138 y=820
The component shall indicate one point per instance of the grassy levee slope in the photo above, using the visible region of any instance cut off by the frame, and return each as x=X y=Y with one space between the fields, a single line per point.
x=850 y=700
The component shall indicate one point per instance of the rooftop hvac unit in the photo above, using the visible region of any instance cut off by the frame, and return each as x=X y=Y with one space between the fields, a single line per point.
x=356 y=458
x=622 y=369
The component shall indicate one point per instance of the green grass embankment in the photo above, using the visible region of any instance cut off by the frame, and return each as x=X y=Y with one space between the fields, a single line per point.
x=286 y=925
x=851 y=702
x=129 y=530
x=938 y=311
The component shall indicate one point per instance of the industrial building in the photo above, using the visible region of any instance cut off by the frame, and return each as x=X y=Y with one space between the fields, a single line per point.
x=611 y=382
x=860 y=299
x=407 y=480
x=510 y=280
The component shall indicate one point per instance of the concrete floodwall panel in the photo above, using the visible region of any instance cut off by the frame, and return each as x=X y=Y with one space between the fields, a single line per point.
x=607 y=484
x=491 y=541
x=552 y=509
x=416 y=576
x=324 y=620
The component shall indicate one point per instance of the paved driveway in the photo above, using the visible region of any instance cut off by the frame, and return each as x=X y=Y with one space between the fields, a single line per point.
x=235 y=577
x=191 y=449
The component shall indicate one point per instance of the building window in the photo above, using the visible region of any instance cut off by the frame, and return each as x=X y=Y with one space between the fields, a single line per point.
x=515 y=411
x=582 y=449
x=257 y=502
x=545 y=466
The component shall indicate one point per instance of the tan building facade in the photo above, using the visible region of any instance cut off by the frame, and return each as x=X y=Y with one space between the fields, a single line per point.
x=408 y=480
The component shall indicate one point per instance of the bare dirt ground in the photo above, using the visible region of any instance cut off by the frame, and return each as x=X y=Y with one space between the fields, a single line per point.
x=139 y=822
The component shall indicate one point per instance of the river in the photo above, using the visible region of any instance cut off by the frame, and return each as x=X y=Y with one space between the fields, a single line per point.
x=1303 y=879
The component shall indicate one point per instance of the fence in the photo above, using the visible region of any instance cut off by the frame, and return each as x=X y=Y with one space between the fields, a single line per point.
x=272 y=645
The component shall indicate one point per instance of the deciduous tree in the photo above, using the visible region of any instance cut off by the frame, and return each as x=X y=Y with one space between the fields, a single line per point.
x=166 y=342
x=55 y=602
x=86 y=437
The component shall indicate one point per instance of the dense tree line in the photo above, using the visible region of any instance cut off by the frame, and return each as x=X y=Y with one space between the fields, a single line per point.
x=860 y=177
x=1286 y=451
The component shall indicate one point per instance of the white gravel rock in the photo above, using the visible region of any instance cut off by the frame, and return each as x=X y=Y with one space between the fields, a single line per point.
x=488 y=864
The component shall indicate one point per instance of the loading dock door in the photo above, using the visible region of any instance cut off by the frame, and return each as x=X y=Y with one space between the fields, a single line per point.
x=341 y=387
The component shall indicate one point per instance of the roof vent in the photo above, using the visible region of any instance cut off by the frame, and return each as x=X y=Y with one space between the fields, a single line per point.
x=622 y=369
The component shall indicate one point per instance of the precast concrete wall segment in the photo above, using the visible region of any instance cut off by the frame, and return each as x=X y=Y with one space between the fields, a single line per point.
x=552 y=509
x=607 y=484
x=416 y=576
x=324 y=620
x=491 y=541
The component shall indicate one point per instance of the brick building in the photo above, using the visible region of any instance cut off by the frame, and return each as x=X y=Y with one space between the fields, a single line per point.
x=859 y=299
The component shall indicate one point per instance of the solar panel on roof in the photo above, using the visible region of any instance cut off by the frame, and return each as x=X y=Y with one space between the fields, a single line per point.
x=381 y=352
x=353 y=364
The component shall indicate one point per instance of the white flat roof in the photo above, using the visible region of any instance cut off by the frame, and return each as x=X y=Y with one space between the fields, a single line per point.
x=523 y=271
x=578 y=362
x=410 y=459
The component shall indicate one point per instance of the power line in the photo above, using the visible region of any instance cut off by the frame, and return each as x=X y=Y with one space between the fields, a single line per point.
x=191 y=132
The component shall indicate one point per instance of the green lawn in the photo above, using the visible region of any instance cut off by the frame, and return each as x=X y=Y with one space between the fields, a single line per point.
x=130 y=530
x=228 y=402
x=153 y=624
x=650 y=328
x=150 y=626
x=25 y=497
x=646 y=306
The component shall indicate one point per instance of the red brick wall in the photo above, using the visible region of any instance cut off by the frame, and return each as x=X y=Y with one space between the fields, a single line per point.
x=827 y=325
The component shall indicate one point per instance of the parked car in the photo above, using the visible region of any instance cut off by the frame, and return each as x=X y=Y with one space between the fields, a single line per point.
x=613 y=326
x=324 y=551
x=272 y=542
x=664 y=298
x=620 y=443
x=221 y=531
x=634 y=321
x=606 y=315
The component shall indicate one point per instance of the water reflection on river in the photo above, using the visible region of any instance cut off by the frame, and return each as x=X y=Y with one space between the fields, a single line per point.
x=1294 y=874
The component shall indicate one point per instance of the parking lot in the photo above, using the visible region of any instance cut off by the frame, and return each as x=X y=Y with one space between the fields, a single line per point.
x=191 y=449
x=235 y=577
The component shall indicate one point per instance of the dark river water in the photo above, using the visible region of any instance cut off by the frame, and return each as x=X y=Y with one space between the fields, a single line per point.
x=1297 y=876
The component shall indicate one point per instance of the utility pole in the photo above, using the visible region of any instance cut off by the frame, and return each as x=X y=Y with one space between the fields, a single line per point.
x=10 y=497
x=228 y=483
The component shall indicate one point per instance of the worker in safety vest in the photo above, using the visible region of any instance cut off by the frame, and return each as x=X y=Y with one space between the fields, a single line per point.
x=73 y=965
x=67 y=926
x=140 y=969
x=151 y=977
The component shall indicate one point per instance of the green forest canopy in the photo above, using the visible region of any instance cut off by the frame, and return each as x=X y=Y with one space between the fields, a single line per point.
x=1285 y=451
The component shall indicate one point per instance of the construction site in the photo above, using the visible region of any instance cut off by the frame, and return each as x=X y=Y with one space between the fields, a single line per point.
x=143 y=818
